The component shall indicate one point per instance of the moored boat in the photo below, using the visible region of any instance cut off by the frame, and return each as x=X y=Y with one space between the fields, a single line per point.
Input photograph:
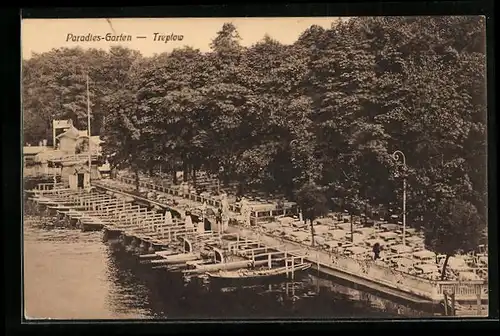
x=255 y=274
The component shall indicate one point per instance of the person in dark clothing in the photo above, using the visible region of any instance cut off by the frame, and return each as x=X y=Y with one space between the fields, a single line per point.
x=376 y=251
x=218 y=217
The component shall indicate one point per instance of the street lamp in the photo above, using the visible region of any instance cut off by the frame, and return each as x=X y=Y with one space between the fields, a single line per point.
x=397 y=155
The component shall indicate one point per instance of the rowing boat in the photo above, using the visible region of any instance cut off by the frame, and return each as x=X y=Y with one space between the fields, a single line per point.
x=249 y=274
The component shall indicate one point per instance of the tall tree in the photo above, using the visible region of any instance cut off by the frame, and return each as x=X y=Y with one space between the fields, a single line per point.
x=454 y=226
x=313 y=202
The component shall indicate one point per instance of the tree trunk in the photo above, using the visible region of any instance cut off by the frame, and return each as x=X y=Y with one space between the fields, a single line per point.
x=241 y=188
x=312 y=232
x=366 y=212
x=225 y=179
x=352 y=228
x=151 y=169
x=193 y=174
x=443 y=271
x=136 y=173
x=174 y=176
x=185 y=172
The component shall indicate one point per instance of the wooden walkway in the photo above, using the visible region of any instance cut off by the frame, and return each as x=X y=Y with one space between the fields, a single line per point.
x=175 y=201
x=151 y=227
x=381 y=277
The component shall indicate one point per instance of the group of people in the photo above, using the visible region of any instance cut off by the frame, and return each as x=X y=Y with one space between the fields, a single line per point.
x=223 y=211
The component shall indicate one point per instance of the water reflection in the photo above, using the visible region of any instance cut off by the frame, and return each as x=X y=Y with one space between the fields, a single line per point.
x=73 y=275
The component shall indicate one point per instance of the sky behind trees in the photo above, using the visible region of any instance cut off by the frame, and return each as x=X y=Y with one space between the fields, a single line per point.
x=41 y=35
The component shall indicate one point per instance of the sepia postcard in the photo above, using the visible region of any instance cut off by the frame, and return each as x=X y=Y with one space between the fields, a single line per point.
x=264 y=168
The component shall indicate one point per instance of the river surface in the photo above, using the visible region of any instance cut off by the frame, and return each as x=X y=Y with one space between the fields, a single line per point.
x=69 y=274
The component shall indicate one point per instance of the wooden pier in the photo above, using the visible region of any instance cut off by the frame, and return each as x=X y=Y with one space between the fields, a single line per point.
x=170 y=241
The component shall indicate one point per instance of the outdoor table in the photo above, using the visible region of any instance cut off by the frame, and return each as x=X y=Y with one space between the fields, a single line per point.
x=398 y=249
x=337 y=234
x=424 y=254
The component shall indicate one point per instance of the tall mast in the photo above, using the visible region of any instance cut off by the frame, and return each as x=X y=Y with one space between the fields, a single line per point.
x=88 y=127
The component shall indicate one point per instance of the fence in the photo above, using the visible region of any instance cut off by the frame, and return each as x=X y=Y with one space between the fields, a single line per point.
x=72 y=157
x=465 y=290
x=256 y=216
x=368 y=270
x=49 y=186
x=40 y=170
x=162 y=187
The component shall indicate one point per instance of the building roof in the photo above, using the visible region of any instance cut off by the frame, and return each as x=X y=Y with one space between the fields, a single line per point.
x=49 y=154
x=80 y=169
x=72 y=133
x=94 y=138
x=62 y=123
x=33 y=150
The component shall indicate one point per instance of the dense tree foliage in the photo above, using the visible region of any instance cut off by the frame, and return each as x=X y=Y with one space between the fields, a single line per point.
x=329 y=109
x=457 y=228
x=313 y=203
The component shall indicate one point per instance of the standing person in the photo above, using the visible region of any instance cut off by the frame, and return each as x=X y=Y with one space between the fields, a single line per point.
x=376 y=251
x=245 y=211
x=218 y=217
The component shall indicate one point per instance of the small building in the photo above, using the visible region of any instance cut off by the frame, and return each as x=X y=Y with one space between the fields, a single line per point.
x=74 y=141
x=95 y=143
x=59 y=127
x=70 y=150
x=79 y=177
x=30 y=152
x=66 y=142
x=105 y=169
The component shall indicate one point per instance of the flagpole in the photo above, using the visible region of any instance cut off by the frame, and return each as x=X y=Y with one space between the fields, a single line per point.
x=88 y=128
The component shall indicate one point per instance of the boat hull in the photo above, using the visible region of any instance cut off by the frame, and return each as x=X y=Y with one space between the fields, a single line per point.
x=264 y=276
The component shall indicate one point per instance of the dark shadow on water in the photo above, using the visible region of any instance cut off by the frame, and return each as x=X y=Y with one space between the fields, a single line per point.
x=135 y=290
x=166 y=295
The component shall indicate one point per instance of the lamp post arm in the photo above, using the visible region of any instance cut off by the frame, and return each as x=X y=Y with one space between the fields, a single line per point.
x=399 y=154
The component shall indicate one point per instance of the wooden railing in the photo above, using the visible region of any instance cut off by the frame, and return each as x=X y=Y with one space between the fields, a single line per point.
x=256 y=216
x=162 y=187
x=70 y=157
x=367 y=269
x=49 y=186
x=40 y=170
x=465 y=290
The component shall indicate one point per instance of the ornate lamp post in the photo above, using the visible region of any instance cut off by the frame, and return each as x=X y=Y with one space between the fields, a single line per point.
x=397 y=155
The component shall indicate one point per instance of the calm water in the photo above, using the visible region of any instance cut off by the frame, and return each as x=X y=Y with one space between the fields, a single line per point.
x=73 y=275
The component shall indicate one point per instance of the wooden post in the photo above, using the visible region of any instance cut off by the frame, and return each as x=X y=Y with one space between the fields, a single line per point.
x=269 y=263
x=352 y=231
x=317 y=260
x=445 y=295
x=293 y=267
x=478 y=293
x=453 y=302
x=286 y=262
